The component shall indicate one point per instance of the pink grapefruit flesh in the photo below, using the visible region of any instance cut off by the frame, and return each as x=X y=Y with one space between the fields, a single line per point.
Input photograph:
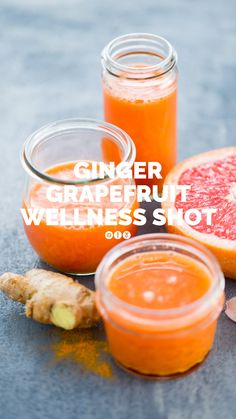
x=212 y=177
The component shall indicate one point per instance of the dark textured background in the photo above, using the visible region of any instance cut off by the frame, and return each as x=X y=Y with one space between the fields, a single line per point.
x=50 y=69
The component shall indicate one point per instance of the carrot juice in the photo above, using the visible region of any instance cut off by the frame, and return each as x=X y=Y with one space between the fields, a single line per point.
x=140 y=96
x=160 y=302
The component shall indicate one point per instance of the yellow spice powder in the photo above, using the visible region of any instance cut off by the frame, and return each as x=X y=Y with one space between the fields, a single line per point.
x=84 y=347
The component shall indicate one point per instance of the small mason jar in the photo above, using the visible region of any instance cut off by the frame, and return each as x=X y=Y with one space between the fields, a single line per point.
x=168 y=339
x=139 y=74
x=49 y=157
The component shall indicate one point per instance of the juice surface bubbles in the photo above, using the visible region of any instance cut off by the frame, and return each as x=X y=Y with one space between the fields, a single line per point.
x=140 y=96
x=163 y=305
x=161 y=280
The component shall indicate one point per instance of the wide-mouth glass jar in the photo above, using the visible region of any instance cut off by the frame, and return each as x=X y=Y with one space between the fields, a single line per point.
x=139 y=74
x=160 y=296
x=49 y=158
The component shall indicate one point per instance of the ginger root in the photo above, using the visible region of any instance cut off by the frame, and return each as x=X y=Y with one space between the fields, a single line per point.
x=52 y=298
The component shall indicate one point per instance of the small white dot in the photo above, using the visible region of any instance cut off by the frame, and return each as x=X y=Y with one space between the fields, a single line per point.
x=172 y=279
x=148 y=296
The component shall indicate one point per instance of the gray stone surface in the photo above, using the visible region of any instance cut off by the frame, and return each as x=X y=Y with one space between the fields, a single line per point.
x=50 y=70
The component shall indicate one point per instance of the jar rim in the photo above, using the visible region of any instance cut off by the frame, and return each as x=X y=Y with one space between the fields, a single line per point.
x=165 y=239
x=69 y=125
x=117 y=69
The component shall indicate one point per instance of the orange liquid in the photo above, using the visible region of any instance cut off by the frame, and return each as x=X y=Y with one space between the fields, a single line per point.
x=160 y=281
x=77 y=249
x=150 y=122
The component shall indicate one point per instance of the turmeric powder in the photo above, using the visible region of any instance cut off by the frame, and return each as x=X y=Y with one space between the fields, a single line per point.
x=85 y=348
x=52 y=298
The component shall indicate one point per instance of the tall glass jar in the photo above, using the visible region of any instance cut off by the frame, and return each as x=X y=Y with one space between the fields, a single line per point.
x=49 y=158
x=139 y=75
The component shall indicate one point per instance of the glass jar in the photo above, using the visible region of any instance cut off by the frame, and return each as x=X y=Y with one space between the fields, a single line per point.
x=167 y=340
x=49 y=157
x=140 y=92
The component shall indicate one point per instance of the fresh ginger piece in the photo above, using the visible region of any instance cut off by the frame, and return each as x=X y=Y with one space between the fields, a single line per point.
x=52 y=298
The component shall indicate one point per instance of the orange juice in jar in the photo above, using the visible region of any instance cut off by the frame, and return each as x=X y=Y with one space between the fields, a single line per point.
x=140 y=94
x=160 y=296
x=49 y=157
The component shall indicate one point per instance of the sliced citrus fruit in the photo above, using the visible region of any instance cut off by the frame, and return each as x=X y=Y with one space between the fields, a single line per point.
x=212 y=177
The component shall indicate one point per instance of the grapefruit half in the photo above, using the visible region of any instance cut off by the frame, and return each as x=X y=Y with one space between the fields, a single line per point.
x=212 y=177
